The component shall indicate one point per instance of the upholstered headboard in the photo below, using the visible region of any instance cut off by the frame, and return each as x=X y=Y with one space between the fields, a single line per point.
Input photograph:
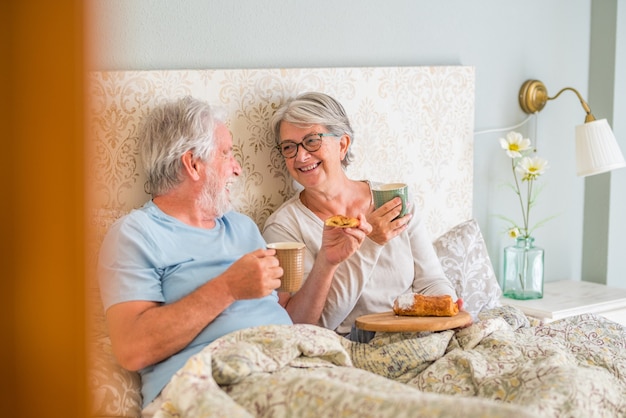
x=412 y=124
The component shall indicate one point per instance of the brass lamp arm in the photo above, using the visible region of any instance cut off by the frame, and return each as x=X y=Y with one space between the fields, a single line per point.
x=589 y=117
x=533 y=97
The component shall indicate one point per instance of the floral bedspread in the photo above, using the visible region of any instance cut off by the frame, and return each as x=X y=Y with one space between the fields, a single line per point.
x=501 y=366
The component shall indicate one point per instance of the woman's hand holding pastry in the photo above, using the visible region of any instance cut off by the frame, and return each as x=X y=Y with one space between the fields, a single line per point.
x=384 y=225
x=339 y=243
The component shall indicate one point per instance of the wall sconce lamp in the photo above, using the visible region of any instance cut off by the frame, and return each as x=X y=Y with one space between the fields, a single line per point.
x=597 y=150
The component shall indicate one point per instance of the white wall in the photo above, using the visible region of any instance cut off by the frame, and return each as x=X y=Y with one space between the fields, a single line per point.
x=508 y=42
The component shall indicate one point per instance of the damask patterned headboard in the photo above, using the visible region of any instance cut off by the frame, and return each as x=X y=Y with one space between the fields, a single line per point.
x=412 y=124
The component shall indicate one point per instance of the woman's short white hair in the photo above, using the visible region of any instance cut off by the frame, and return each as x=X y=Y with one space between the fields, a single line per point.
x=314 y=108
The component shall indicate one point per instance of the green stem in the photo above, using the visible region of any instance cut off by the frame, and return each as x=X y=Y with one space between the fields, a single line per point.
x=528 y=203
x=519 y=195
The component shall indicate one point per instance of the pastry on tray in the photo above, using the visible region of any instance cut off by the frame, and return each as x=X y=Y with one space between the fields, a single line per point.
x=415 y=304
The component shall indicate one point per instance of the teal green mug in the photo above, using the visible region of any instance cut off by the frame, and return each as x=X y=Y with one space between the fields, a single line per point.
x=383 y=193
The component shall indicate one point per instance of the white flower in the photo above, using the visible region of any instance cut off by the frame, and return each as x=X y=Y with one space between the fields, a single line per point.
x=514 y=144
x=525 y=170
x=531 y=167
x=513 y=232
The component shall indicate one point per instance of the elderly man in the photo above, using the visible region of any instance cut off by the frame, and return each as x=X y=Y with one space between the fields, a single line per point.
x=184 y=269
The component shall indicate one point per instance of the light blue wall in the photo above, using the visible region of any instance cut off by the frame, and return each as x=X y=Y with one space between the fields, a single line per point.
x=506 y=41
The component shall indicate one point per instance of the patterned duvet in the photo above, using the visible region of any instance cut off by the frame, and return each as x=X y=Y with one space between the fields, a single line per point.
x=498 y=367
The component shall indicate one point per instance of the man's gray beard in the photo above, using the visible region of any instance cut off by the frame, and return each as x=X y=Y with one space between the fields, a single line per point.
x=213 y=200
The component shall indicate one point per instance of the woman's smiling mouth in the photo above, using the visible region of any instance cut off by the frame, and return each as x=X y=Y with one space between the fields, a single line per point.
x=309 y=167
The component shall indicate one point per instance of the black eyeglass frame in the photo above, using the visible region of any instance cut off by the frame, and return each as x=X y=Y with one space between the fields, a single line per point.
x=302 y=144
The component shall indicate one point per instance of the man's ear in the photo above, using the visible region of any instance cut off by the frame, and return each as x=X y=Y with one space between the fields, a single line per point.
x=191 y=165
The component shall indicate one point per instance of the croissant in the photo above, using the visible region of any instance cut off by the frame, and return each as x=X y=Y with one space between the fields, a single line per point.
x=415 y=304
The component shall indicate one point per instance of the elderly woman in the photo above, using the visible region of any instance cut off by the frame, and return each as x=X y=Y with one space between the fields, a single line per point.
x=314 y=135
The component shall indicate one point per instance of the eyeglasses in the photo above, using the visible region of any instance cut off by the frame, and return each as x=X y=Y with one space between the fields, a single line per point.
x=311 y=143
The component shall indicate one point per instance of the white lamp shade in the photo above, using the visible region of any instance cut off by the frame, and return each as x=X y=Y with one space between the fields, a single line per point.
x=597 y=150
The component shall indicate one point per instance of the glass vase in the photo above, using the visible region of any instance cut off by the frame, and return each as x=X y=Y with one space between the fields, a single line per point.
x=523 y=270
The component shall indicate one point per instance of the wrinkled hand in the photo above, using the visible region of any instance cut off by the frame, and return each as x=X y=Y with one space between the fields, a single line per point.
x=384 y=227
x=254 y=275
x=340 y=243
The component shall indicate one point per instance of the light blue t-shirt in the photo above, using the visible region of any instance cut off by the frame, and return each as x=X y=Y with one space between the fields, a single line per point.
x=148 y=255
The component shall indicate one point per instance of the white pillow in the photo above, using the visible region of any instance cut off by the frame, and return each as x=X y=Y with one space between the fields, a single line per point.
x=463 y=255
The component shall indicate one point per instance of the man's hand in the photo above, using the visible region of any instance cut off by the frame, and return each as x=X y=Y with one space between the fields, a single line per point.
x=254 y=275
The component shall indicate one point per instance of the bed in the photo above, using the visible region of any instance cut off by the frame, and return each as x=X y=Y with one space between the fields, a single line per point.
x=412 y=124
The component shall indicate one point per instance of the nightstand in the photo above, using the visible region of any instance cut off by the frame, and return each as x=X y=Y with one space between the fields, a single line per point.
x=568 y=297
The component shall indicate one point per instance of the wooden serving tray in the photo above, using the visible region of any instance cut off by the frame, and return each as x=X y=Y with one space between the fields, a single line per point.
x=390 y=322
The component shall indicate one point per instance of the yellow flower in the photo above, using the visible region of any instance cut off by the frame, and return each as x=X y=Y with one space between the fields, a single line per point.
x=531 y=167
x=515 y=144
